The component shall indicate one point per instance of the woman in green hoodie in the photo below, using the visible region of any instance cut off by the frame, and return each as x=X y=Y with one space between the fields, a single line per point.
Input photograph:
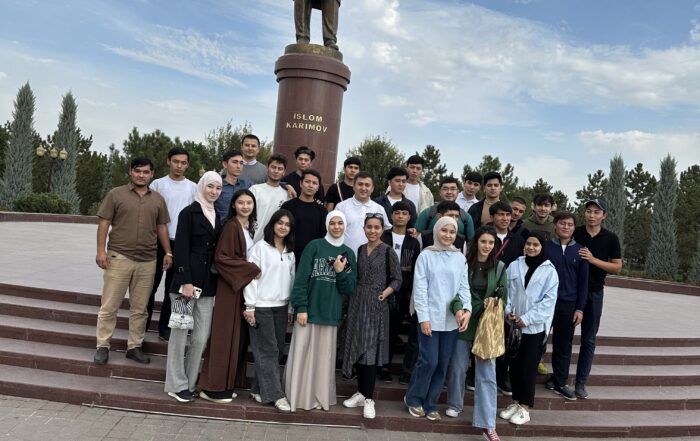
x=487 y=279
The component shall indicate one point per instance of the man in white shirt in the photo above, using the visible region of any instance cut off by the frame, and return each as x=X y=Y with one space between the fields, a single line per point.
x=269 y=196
x=357 y=208
x=253 y=171
x=467 y=197
x=178 y=192
x=416 y=191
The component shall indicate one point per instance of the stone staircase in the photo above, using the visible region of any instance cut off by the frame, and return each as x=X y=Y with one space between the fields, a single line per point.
x=640 y=387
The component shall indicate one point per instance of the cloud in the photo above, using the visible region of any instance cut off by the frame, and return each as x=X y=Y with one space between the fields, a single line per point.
x=3 y=75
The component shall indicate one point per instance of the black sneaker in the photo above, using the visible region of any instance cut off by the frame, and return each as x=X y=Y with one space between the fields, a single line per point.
x=385 y=376
x=184 y=396
x=101 y=355
x=549 y=384
x=581 y=391
x=505 y=389
x=404 y=379
x=137 y=354
x=566 y=392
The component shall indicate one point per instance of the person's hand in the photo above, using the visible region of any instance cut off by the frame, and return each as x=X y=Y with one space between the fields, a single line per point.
x=463 y=319
x=188 y=290
x=519 y=322
x=291 y=192
x=512 y=316
x=340 y=263
x=585 y=254
x=413 y=232
x=249 y=316
x=167 y=262
x=102 y=260
x=578 y=318
x=426 y=329
x=302 y=318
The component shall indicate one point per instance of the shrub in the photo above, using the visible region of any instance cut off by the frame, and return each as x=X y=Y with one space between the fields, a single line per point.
x=42 y=203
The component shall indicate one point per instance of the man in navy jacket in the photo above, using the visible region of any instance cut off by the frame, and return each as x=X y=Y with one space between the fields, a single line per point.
x=563 y=251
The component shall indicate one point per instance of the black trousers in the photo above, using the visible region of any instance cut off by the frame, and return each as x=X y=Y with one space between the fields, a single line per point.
x=166 y=308
x=523 y=368
x=366 y=377
x=396 y=316
x=410 y=355
x=563 y=335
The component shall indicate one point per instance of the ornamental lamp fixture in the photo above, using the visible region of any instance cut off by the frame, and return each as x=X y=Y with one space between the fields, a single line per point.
x=201 y=171
x=40 y=151
x=53 y=153
x=63 y=154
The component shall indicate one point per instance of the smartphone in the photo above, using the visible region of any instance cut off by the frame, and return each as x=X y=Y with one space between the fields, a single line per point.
x=197 y=291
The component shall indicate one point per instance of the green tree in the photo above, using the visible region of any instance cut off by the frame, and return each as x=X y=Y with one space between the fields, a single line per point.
x=694 y=272
x=491 y=163
x=17 y=179
x=433 y=169
x=4 y=141
x=378 y=155
x=641 y=187
x=63 y=175
x=595 y=188
x=688 y=216
x=662 y=261
x=227 y=137
x=615 y=197
x=92 y=169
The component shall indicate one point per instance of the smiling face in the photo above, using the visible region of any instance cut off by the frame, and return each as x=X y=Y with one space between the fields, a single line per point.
x=282 y=227
x=336 y=227
x=447 y=235
x=449 y=192
x=501 y=220
x=363 y=188
x=243 y=205
x=533 y=247
x=373 y=230
x=543 y=210
x=485 y=245
x=564 y=229
x=212 y=191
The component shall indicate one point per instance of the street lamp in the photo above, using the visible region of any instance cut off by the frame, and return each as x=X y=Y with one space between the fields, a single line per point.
x=54 y=154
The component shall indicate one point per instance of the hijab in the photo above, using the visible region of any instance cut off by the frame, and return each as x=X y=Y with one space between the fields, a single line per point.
x=535 y=261
x=207 y=207
x=437 y=246
x=330 y=239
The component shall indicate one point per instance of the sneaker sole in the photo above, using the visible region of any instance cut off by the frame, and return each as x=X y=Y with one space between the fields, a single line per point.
x=204 y=396
x=583 y=397
x=177 y=397
x=352 y=405
x=438 y=418
x=564 y=396
x=505 y=392
x=519 y=423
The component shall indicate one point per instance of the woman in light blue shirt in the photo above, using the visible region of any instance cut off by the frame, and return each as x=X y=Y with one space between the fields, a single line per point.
x=441 y=273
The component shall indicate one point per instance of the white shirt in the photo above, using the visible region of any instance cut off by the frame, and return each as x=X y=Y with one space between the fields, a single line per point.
x=465 y=204
x=268 y=199
x=392 y=201
x=502 y=236
x=397 y=239
x=413 y=193
x=177 y=195
x=275 y=285
x=355 y=212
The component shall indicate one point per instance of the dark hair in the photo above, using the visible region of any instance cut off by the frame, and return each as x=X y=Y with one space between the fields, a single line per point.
x=519 y=200
x=449 y=180
x=500 y=206
x=541 y=198
x=252 y=219
x=251 y=136
x=492 y=175
x=276 y=157
x=378 y=216
x=401 y=206
x=474 y=177
x=269 y=231
x=415 y=159
x=311 y=171
x=445 y=206
x=396 y=171
x=353 y=160
x=473 y=250
x=564 y=215
x=178 y=151
x=364 y=175
x=304 y=150
x=230 y=154
x=140 y=162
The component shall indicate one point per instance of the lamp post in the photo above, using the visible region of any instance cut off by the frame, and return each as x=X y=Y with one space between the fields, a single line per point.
x=53 y=154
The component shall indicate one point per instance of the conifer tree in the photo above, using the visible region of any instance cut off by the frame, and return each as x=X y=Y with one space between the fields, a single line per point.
x=17 y=179
x=662 y=258
x=63 y=175
x=694 y=272
x=616 y=198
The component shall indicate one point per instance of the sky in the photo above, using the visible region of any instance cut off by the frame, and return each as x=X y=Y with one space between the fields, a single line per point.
x=554 y=87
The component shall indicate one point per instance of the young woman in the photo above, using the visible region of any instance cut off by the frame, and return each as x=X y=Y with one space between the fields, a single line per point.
x=532 y=284
x=198 y=229
x=367 y=338
x=266 y=306
x=224 y=361
x=441 y=271
x=326 y=273
x=488 y=282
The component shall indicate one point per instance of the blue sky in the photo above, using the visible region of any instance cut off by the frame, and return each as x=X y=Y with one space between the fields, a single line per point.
x=555 y=87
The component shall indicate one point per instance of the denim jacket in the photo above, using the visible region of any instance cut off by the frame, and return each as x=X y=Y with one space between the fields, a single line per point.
x=534 y=305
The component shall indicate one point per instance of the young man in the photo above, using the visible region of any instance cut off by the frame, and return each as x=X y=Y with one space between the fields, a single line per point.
x=344 y=189
x=563 y=251
x=416 y=191
x=357 y=208
x=601 y=248
x=138 y=219
x=541 y=219
x=178 y=192
x=472 y=184
x=309 y=213
x=269 y=196
x=493 y=186
x=304 y=158
x=397 y=184
x=253 y=171
x=232 y=161
x=407 y=249
x=449 y=189
x=519 y=207
x=449 y=209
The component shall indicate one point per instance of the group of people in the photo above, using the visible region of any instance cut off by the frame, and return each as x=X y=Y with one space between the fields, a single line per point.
x=252 y=250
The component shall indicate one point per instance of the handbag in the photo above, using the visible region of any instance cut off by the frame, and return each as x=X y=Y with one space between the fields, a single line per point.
x=181 y=315
x=513 y=337
x=489 y=340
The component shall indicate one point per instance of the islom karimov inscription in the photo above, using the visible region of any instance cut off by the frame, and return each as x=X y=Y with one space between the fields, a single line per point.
x=306 y=121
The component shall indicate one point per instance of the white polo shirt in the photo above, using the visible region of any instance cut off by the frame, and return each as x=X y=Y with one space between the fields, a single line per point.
x=355 y=212
x=463 y=203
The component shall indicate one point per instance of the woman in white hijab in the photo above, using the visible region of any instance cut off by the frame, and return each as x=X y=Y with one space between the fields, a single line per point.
x=326 y=272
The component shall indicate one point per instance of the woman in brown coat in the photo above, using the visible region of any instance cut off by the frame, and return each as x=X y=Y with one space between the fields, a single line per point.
x=224 y=361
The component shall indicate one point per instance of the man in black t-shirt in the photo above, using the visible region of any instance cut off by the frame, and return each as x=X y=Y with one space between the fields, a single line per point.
x=309 y=214
x=344 y=189
x=603 y=253
x=304 y=158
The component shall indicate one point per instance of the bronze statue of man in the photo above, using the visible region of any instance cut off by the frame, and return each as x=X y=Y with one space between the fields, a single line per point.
x=302 y=20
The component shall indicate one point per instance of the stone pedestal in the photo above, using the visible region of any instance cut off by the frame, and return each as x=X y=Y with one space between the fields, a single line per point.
x=312 y=80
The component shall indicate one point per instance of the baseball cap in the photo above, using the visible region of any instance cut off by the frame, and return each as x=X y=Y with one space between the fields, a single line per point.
x=599 y=202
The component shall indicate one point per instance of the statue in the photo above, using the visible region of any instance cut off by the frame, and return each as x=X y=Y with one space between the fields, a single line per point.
x=302 y=20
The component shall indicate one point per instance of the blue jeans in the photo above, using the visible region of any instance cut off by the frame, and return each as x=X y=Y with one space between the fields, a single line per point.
x=430 y=370
x=485 y=394
x=456 y=374
x=589 y=330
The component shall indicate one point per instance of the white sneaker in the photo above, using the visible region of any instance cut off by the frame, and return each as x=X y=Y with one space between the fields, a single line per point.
x=522 y=416
x=452 y=413
x=255 y=397
x=357 y=400
x=368 y=411
x=283 y=405
x=509 y=411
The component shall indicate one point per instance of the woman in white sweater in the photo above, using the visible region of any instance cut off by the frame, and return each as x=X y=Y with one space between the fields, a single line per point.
x=266 y=310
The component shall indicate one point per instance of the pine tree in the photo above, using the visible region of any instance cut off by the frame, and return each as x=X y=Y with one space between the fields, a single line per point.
x=616 y=200
x=490 y=163
x=641 y=187
x=596 y=188
x=687 y=216
x=378 y=155
x=694 y=272
x=17 y=179
x=63 y=175
x=433 y=169
x=662 y=261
